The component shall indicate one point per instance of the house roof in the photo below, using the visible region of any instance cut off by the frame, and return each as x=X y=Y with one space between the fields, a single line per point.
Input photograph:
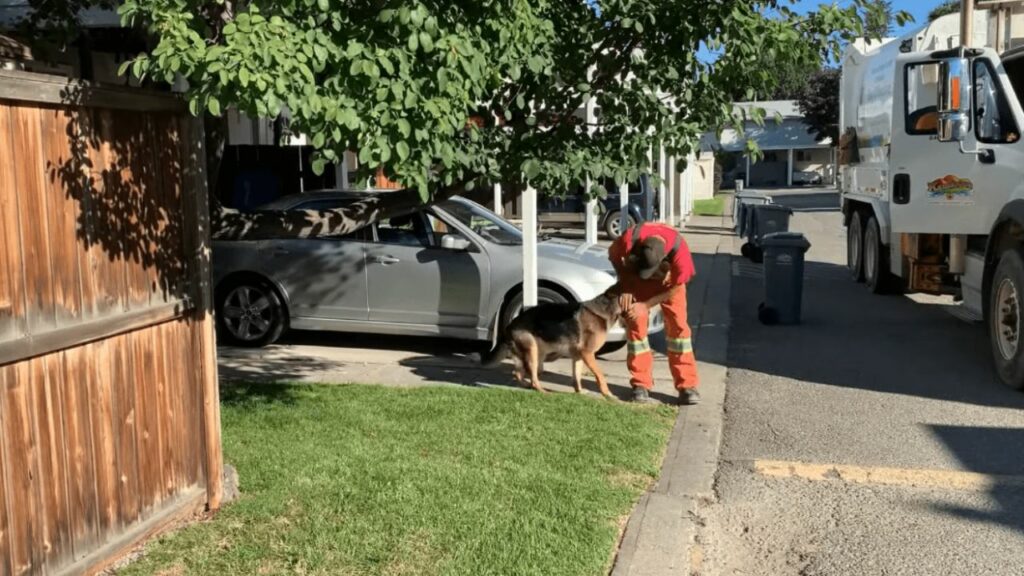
x=791 y=133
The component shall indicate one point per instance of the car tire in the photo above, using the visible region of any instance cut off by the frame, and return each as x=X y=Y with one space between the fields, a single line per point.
x=855 y=246
x=611 y=224
x=877 y=276
x=514 y=306
x=1004 y=319
x=250 y=313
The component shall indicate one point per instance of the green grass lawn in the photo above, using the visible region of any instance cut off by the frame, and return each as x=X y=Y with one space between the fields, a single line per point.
x=352 y=479
x=710 y=207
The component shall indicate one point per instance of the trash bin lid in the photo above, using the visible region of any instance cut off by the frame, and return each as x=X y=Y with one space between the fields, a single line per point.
x=785 y=240
x=775 y=208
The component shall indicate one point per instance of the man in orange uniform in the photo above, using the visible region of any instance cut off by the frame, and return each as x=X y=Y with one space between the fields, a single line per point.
x=654 y=264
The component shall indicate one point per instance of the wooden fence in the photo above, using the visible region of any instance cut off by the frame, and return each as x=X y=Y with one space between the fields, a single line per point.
x=109 y=413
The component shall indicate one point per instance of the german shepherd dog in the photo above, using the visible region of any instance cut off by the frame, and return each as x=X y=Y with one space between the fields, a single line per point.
x=551 y=331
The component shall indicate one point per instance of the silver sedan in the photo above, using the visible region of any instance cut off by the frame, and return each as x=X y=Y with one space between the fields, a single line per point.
x=451 y=270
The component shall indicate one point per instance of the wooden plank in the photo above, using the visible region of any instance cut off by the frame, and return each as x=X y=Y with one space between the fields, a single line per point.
x=195 y=202
x=94 y=297
x=63 y=177
x=172 y=261
x=142 y=383
x=31 y=187
x=104 y=433
x=136 y=217
x=22 y=452
x=127 y=438
x=170 y=418
x=50 y=89
x=6 y=555
x=104 y=217
x=81 y=465
x=91 y=331
x=47 y=383
x=13 y=323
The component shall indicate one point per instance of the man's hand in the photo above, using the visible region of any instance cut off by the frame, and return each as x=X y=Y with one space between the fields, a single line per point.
x=637 y=310
x=626 y=301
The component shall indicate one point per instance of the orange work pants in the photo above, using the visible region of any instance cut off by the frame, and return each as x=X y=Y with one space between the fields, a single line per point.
x=681 y=361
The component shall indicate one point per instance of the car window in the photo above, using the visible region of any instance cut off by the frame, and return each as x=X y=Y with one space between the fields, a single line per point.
x=406 y=230
x=481 y=221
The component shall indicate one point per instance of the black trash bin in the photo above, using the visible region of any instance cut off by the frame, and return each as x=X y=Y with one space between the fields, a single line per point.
x=742 y=206
x=783 y=277
x=764 y=219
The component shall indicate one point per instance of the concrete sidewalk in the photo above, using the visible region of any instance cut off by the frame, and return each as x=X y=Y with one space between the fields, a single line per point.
x=660 y=534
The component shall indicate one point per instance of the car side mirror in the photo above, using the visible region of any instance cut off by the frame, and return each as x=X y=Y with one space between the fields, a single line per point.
x=454 y=242
x=954 y=99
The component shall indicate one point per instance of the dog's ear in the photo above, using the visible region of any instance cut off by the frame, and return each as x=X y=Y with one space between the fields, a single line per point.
x=606 y=306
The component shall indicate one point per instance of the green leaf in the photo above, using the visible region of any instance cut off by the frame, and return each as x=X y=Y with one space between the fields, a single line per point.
x=243 y=77
x=319 y=164
x=426 y=42
x=213 y=105
x=193 y=105
x=365 y=155
x=535 y=64
x=319 y=140
x=323 y=5
x=404 y=128
x=531 y=169
x=442 y=79
x=413 y=42
x=583 y=87
x=521 y=101
x=403 y=150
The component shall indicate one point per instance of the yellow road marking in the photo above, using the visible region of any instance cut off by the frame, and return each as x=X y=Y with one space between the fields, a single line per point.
x=916 y=477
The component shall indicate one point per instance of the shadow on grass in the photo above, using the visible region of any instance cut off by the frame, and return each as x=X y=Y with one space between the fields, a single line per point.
x=241 y=394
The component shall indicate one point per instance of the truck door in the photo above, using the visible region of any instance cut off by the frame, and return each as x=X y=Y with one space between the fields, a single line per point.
x=934 y=187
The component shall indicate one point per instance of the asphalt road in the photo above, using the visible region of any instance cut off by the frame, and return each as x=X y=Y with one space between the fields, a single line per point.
x=871 y=439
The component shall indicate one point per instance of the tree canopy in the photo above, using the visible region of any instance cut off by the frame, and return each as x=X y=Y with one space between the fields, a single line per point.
x=449 y=96
x=878 y=18
x=819 y=103
x=948 y=7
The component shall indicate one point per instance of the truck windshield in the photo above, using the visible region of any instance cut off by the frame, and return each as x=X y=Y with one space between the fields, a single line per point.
x=1015 y=71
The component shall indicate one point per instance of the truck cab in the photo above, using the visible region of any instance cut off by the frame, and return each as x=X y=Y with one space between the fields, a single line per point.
x=932 y=178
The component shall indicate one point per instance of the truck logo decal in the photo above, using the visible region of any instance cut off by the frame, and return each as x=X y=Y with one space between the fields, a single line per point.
x=950 y=187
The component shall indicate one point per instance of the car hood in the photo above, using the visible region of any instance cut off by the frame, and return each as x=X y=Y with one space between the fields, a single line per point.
x=566 y=251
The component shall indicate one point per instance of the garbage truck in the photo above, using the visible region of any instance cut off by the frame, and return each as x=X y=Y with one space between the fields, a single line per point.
x=932 y=168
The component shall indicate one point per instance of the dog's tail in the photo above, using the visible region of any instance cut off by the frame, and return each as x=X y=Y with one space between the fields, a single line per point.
x=500 y=352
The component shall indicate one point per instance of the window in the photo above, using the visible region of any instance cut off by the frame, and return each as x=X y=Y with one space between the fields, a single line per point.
x=406 y=230
x=802 y=156
x=922 y=82
x=993 y=120
x=487 y=224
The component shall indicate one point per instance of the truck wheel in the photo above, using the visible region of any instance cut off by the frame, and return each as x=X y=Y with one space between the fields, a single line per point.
x=1004 y=319
x=877 y=275
x=855 y=246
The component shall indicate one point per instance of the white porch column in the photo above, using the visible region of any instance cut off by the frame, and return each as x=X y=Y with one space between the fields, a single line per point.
x=529 y=247
x=684 y=195
x=590 y=218
x=497 y=199
x=648 y=202
x=623 y=206
x=670 y=190
x=789 y=167
x=663 y=187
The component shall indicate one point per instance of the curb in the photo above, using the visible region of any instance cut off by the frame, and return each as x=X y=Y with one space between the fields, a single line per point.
x=659 y=539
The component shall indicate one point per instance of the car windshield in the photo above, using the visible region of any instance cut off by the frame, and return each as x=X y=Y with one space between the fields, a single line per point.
x=483 y=222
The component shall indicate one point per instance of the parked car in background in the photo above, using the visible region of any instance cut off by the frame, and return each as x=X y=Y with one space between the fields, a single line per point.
x=453 y=270
x=570 y=210
x=806 y=177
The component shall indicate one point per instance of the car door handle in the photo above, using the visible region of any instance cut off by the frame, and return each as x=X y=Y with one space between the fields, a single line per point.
x=386 y=260
x=281 y=252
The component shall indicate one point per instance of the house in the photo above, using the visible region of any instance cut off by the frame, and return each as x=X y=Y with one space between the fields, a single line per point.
x=789 y=149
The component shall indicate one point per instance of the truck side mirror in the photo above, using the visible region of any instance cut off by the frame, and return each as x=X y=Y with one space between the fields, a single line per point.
x=954 y=99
